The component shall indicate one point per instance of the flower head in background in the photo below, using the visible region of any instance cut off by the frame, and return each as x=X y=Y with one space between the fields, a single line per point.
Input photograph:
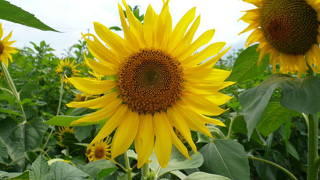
x=67 y=68
x=288 y=30
x=161 y=81
x=99 y=150
x=6 y=50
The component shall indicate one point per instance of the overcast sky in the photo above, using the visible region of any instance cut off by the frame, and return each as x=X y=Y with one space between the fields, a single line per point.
x=72 y=17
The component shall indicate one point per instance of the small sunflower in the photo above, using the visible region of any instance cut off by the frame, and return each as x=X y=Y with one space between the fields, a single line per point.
x=67 y=68
x=5 y=47
x=288 y=30
x=99 y=150
x=66 y=137
x=161 y=82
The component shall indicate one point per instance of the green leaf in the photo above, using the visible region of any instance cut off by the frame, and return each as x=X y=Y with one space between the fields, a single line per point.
x=205 y=176
x=82 y=132
x=227 y=158
x=23 y=176
x=246 y=65
x=115 y=28
x=15 y=14
x=302 y=95
x=255 y=100
x=34 y=132
x=99 y=169
x=292 y=150
x=7 y=175
x=273 y=117
x=3 y=151
x=64 y=171
x=62 y=120
x=177 y=162
x=39 y=169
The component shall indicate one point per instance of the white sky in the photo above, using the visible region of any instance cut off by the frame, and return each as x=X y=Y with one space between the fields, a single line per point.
x=72 y=17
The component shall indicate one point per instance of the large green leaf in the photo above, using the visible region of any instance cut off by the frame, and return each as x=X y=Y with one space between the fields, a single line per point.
x=246 y=66
x=99 y=169
x=205 y=176
x=62 y=120
x=273 y=117
x=39 y=169
x=177 y=162
x=255 y=100
x=20 y=138
x=227 y=158
x=82 y=132
x=302 y=95
x=64 y=171
x=15 y=14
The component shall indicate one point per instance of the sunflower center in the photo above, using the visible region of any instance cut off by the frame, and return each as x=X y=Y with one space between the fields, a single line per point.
x=99 y=153
x=150 y=81
x=1 y=48
x=290 y=26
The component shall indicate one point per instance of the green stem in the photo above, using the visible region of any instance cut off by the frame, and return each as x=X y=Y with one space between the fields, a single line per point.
x=14 y=90
x=230 y=128
x=145 y=171
x=312 y=147
x=127 y=164
x=275 y=165
x=61 y=95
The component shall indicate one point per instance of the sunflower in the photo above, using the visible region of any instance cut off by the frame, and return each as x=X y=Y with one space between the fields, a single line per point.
x=67 y=68
x=5 y=47
x=99 y=150
x=66 y=137
x=160 y=82
x=288 y=30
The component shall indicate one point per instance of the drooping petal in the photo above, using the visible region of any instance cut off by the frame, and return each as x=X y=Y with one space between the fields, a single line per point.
x=91 y=85
x=163 y=144
x=125 y=134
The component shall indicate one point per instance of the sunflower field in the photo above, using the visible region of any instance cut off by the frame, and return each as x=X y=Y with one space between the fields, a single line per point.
x=150 y=100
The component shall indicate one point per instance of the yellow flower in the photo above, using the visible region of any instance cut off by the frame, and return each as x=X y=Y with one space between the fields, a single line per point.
x=5 y=47
x=288 y=30
x=161 y=82
x=66 y=136
x=67 y=68
x=99 y=150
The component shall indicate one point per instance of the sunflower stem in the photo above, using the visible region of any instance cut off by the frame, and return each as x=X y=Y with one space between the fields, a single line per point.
x=127 y=164
x=61 y=94
x=145 y=171
x=275 y=165
x=313 y=147
x=230 y=128
x=14 y=90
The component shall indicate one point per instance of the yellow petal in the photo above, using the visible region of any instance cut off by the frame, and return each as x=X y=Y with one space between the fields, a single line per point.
x=100 y=68
x=1 y=30
x=144 y=141
x=163 y=144
x=182 y=126
x=203 y=55
x=148 y=27
x=91 y=85
x=125 y=134
x=100 y=52
x=193 y=122
x=201 y=105
x=178 y=144
x=115 y=120
x=110 y=38
x=202 y=40
x=181 y=28
x=95 y=103
x=99 y=115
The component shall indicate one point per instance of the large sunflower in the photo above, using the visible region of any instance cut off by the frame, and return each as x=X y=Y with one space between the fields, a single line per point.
x=288 y=30
x=5 y=47
x=156 y=82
